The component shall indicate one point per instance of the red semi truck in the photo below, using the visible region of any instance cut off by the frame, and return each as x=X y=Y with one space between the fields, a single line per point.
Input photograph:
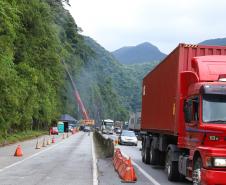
x=183 y=118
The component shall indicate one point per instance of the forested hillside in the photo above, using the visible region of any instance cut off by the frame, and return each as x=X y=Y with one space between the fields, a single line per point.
x=35 y=37
x=126 y=80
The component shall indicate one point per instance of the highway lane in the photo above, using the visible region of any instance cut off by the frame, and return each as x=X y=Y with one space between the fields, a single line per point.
x=108 y=175
x=28 y=147
x=68 y=162
x=156 y=173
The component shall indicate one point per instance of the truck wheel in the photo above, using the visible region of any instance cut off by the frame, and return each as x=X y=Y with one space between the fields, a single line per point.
x=171 y=168
x=146 y=155
x=142 y=154
x=154 y=155
x=196 y=174
x=162 y=157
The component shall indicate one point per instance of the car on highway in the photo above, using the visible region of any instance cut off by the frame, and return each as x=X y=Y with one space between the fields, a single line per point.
x=54 y=131
x=127 y=137
x=87 y=129
x=117 y=130
x=70 y=128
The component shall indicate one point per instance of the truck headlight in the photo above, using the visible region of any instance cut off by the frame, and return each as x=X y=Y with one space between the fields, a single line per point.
x=219 y=162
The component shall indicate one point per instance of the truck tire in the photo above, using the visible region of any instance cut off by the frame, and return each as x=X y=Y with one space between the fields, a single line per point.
x=154 y=155
x=145 y=154
x=196 y=174
x=171 y=168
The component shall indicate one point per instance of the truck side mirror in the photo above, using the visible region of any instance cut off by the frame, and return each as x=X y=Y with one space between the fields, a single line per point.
x=188 y=111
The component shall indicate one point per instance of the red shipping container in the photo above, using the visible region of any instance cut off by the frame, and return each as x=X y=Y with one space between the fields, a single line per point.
x=162 y=88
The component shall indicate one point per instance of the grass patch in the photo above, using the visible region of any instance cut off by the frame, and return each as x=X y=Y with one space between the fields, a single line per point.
x=21 y=136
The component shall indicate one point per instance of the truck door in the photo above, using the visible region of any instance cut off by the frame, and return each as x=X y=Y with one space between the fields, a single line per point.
x=191 y=113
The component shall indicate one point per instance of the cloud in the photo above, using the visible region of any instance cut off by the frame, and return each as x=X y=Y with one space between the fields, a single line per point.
x=116 y=23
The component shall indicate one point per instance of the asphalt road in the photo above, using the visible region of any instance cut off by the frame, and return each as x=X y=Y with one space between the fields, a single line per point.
x=156 y=173
x=147 y=174
x=67 y=162
x=28 y=148
x=70 y=162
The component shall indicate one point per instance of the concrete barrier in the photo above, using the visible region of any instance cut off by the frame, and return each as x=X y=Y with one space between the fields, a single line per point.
x=106 y=145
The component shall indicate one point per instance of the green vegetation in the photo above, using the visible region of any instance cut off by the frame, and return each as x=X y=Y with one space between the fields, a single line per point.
x=136 y=73
x=21 y=136
x=126 y=81
x=35 y=37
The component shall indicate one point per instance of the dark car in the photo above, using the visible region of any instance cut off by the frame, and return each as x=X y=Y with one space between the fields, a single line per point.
x=81 y=128
x=87 y=129
x=117 y=130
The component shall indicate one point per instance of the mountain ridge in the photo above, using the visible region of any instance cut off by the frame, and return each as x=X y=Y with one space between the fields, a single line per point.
x=141 y=53
x=216 y=41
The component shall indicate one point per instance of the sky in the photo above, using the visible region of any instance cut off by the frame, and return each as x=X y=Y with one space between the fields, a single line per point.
x=163 y=23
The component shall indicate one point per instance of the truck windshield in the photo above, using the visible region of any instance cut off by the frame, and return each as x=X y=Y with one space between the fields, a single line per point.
x=214 y=108
x=108 y=124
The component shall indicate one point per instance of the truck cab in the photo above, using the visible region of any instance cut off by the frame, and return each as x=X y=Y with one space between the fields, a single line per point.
x=204 y=108
x=107 y=126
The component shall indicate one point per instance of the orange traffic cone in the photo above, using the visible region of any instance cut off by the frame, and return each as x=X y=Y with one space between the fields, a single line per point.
x=128 y=174
x=18 y=152
x=48 y=141
x=37 y=145
x=116 y=142
x=53 y=140
x=44 y=142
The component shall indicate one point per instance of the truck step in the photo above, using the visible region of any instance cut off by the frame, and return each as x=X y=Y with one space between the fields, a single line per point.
x=188 y=178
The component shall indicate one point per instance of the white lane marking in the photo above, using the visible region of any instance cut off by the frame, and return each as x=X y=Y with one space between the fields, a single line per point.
x=149 y=177
x=95 y=180
x=30 y=157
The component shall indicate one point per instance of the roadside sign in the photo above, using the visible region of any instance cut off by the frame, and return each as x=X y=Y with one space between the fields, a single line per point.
x=88 y=122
